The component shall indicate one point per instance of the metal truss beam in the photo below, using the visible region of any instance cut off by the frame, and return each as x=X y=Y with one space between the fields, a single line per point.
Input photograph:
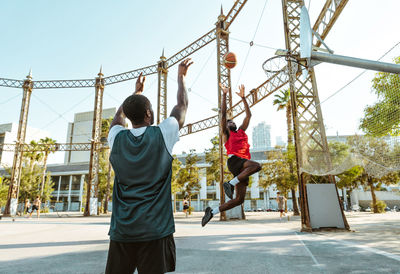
x=208 y=37
x=236 y=8
x=130 y=75
x=256 y=95
x=51 y=147
x=82 y=83
x=192 y=48
x=327 y=18
x=11 y=83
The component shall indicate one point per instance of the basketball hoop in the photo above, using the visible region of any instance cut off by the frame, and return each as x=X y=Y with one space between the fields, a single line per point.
x=279 y=63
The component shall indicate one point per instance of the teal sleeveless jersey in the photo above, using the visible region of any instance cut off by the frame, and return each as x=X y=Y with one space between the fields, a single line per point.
x=141 y=203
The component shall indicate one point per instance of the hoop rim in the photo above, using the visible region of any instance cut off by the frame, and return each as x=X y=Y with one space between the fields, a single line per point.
x=287 y=57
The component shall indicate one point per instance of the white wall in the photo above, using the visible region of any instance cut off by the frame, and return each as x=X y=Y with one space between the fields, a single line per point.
x=364 y=198
x=10 y=132
x=82 y=133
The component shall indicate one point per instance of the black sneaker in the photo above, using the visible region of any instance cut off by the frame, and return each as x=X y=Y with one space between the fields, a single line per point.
x=228 y=189
x=207 y=216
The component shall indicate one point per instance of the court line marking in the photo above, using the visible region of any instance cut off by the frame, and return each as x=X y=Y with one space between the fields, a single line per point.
x=366 y=248
x=309 y=252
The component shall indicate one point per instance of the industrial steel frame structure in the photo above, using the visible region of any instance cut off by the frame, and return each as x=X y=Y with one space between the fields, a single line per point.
x=307 y=116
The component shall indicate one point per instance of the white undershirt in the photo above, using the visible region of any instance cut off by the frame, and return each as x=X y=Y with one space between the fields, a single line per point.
x=169 y=129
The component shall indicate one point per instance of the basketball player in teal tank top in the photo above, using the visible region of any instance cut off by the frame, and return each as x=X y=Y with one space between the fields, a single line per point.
x=142 y=223
x=239 y=163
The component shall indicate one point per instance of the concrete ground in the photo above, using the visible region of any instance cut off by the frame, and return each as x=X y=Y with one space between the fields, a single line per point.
x=260 y=244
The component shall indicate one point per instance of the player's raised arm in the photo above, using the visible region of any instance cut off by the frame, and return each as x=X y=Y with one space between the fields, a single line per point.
x=179 y=111
x=223 y=112
x=246 y=120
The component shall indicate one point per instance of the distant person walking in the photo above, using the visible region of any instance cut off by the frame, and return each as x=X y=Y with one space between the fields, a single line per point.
x=185 y=206
x=36 y=206
x=27 y=206
x=142 y=221
x=281 y=204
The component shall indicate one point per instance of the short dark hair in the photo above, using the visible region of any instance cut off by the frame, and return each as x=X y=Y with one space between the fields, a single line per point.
x=135 y=108
x=227 y=120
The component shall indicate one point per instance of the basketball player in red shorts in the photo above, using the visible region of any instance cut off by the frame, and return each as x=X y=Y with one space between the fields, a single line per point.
x=239 y=163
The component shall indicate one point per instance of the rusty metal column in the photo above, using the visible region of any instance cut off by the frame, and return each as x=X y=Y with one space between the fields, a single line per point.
x=307 y=117
x=13 y=189
x=95 y=143
x=162 y=89
x=224 y=77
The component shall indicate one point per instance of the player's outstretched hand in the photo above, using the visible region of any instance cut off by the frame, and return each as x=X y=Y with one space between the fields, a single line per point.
x=183 y=66
x=241 y=91
x=140 y=83
x=224 y=88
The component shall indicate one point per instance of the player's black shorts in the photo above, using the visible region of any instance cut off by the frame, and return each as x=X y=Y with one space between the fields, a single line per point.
x=157 y=256
x=34 y=208
x=235 y=164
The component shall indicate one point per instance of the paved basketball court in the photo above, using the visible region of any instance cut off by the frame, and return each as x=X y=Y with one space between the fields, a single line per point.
x=260 y=244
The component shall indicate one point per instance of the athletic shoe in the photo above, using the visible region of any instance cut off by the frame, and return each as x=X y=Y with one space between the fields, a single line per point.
x=207 y=216
x=228 y=189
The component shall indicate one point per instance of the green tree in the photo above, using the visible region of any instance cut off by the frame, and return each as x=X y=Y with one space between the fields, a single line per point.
x=380 y=119
x=266 y=176
x=282 y=101
x=348 y=179
x=338 y=152
x=50 y=148
x=277 y=171
x=212 y=158
x=105 y=173
x=31 y=179
x=374 y=150
x=190 y=174
x=176 y=186
x=33 y=157
x=3 y=192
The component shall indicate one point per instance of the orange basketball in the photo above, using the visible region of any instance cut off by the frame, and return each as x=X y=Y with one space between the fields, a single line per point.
x=230 y=60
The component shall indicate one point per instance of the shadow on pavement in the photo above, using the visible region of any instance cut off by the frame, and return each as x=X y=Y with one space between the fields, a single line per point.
x=30 y=245
x=76 y=262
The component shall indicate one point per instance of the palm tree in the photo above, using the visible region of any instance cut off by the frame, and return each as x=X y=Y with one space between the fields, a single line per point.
x=282 y=101
x=33 y=156
x=50 y=148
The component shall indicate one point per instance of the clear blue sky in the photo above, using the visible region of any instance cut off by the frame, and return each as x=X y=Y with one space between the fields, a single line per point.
x=71 y=39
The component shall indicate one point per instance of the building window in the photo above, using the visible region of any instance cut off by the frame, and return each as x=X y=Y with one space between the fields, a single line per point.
x=261 y=194
x=64 y=183
x=211 y=196
x=55 y=180
x=76 y=182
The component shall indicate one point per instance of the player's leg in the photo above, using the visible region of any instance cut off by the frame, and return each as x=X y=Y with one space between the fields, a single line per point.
x=240 y=189
x=245 y=167
x=239 y=199
x=157 y=256
x=122 y=258
x=249 y=168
